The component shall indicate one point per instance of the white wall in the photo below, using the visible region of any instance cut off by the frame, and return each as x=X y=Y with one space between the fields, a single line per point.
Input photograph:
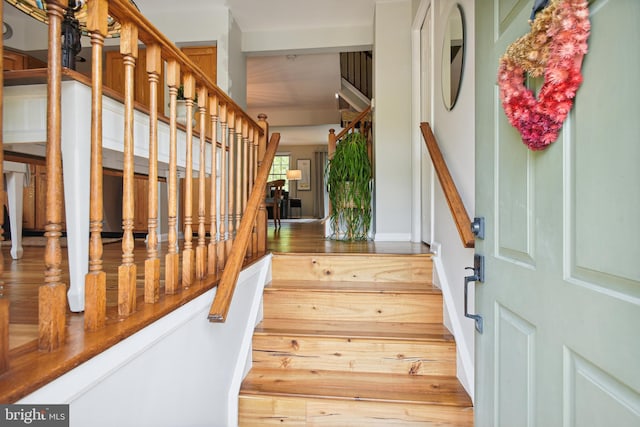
x=455 y=132
x=392 y=120
x=179 y=371
x=204 y=24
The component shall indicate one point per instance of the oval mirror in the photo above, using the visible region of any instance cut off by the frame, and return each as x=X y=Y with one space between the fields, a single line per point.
x=453 y=57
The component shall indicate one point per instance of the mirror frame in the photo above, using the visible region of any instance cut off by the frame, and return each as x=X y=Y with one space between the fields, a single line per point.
x=446 y=69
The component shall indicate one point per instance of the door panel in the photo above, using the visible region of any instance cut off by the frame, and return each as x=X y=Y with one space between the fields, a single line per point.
x=561 y=299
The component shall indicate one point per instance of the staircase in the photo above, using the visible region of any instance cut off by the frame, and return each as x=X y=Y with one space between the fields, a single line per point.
x=353 y=340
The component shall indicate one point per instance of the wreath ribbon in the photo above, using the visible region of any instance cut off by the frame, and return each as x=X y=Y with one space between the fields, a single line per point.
x=555 y=48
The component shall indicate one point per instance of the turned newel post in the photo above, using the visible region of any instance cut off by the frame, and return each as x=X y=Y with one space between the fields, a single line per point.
x=261 y=221
x=201 y=249
x=51 y=296
x=152 y=263
x=332 y=143
x=172 y=259
x=331 y=151
x=95 y=300
x=188 y=258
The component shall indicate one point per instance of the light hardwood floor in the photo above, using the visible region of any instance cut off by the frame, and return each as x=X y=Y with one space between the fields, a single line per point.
x=307 y=236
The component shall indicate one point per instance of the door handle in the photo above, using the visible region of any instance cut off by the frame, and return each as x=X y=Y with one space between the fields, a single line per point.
x=477 y=276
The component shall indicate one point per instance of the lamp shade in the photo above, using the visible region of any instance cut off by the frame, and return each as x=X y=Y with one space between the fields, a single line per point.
x=294 y=174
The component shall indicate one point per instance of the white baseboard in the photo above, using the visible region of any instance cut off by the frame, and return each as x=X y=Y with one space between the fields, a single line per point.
x=466 y=358
x=392 y=237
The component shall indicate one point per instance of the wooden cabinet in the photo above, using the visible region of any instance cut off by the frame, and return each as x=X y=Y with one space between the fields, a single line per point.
x=141 y=204
x=204 y=57
x=13 y=60
x=195 y=204
x=114 y=78
x=35 y=200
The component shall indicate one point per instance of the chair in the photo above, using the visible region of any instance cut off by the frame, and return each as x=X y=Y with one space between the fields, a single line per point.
x=274 y=188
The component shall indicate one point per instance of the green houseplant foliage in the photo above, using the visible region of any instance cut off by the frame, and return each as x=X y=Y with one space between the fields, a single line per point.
x=349 y=180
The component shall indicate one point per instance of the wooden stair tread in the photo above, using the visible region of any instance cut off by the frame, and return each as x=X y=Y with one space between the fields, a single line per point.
x=352 y=287
x=356 y=386
x=21 y=336
x=366 y=330
x=337 y=254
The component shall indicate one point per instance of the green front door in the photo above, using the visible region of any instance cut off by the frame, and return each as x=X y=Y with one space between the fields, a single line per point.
x=561 y=298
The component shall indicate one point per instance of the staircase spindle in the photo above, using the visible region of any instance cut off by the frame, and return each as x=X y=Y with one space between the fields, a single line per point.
x=253 y=140
x=188 y=258
x=152 y=263
x=221 y=255
x=239 y=186
x=201 y=249
x=172 y=259
x=127 y=270
x=262 y=212
x=252 y=240
x=233 y=185
x=95 y=307
x=245 y=174
x=213 y=231
x=51 y=296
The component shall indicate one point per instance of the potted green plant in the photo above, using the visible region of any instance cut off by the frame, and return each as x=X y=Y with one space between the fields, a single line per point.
x=348 y=175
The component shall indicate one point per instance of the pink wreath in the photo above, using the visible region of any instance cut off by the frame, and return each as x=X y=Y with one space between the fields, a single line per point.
x=555 y=46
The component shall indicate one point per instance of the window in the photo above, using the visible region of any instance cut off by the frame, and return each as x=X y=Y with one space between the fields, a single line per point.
x=279 y=169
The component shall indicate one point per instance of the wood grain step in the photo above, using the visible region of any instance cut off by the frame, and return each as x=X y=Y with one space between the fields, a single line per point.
x=353 y=267
x=356 y=386
x=352 y=287
x=346 y=305
x=366 y=329
x=264 y=410
x=380 y=355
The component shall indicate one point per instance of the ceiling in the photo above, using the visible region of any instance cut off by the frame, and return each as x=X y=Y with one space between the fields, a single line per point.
x=297 y=90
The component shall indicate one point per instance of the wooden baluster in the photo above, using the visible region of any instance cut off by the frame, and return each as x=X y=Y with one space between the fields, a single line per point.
x=127 y=270
x=253 y=139
x=51 y=296
x=95 y=299
x=152 y=263
x=221 y=252
x=213 y=231
x=251 y=176
x=188 y=259
x=233 y=187
x=4 y=302
x=172 y=259
x=201 y=250
x=262 y=213
x=246 y=182
x=239 y=187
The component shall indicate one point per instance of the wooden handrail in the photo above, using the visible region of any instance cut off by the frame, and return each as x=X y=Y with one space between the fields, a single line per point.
x=458 y=211
x=226 y=286
x=353 y=123
x=126 y=11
